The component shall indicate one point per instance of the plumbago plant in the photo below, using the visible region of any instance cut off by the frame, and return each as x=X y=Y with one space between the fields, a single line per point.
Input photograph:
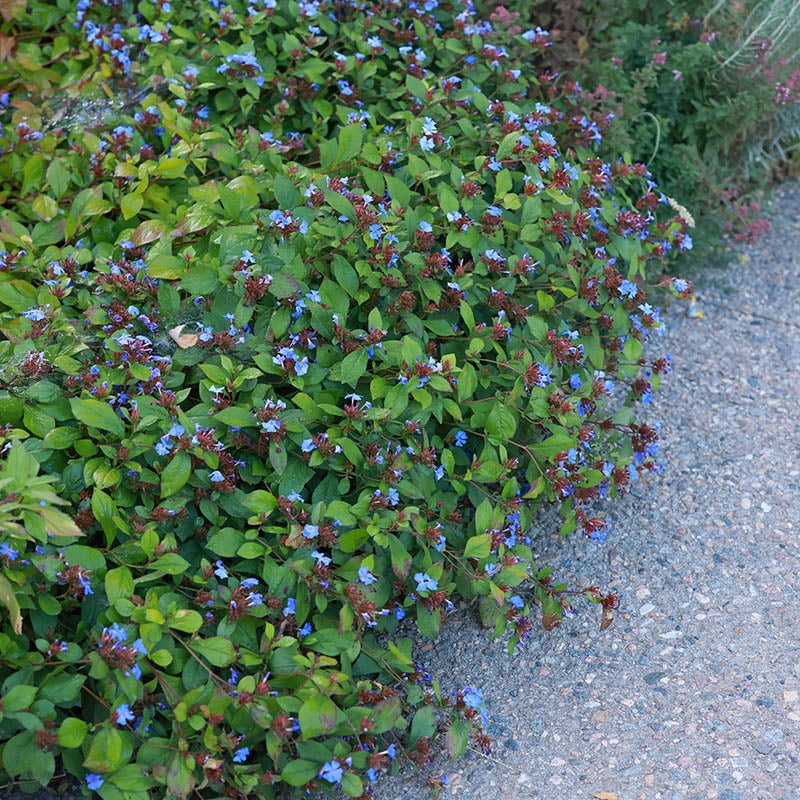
x=296 y=340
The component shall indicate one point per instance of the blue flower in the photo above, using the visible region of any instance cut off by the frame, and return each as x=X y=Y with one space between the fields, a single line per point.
x=139 y=647
x=7 y=551
x=311 y=531
x=291 y=607
x=680 y=285
x=425 y=582
x=240 y=756
x=460 y=438
x=216 y=476
x=365 y=576
x=516 y=601
x=474 y=699
x=332 y=771
x=94 y=781
x=124 y=714
x=220 y=571
x=117 y=632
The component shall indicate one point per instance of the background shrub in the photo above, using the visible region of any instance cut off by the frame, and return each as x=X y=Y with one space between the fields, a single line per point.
x=307 y=308
x=706 y=94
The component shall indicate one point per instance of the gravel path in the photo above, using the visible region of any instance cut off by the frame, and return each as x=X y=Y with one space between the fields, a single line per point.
x=694 y=692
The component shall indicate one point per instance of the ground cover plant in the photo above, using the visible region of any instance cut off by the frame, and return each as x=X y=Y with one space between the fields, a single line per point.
x=306 y=309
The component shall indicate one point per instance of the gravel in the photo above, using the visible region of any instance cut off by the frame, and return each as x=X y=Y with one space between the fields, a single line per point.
x=694 y=692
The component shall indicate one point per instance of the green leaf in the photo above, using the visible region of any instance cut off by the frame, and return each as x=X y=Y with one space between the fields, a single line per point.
x=328 y=641
x=237 y=416
x=260 y=502
x=386 y=714
x=216 y=650
x=401 y=558
x=351 y=138
x=201 y=280
x=353 y=366
x=105 y=510
x=346 y=276
x=180 y=776
x=456 y=738
x=105 y=751
x=226 y=542
x=479 y=546
x=171 y=167
x=132 y=778
x=352 y=785
x=501 y=422
x=299 y=772
x=286 y=193
x=428 y=622
x=557 y=443
x=484 y=514
x=131 y=205
x=58 y=177
x=62 y=689
x=18 y=697
x=503 y=184
x=167 y=267
x=45 y=207
x=176 y=473
x=119 y=584
x=340 y=203
x=416 y=87
x=508 y=144
x=72 y=732
x=61 y=438
x=423 y=724
x=97 y=415
x=185 y=620
x=398 y=191
x=317 y=716
x=467 y=383
x=171 y=564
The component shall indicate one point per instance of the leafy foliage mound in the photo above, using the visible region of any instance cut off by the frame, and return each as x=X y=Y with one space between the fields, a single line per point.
x=301 y=327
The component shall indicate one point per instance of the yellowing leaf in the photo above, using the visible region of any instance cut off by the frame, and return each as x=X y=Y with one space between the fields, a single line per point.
x=9 y=8
x=9 y=599
x=183 y=340
x=7 y=46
